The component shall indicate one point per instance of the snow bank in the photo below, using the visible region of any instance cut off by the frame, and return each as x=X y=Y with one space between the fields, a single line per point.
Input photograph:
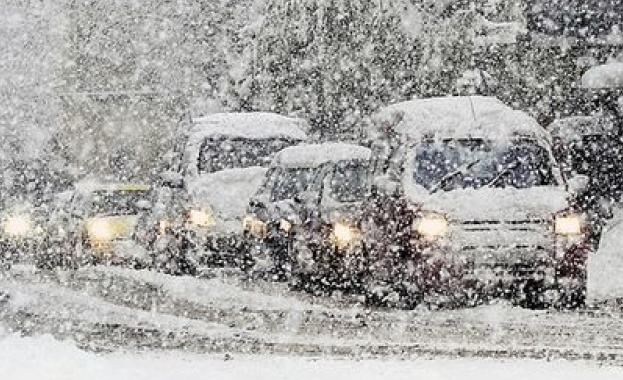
x=605 y=267
x=45 y=358
x=314 y=155
x=217 y=291
x=604 y=76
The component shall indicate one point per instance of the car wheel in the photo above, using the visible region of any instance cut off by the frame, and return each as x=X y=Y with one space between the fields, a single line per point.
x=573 y=298
x=531 y=295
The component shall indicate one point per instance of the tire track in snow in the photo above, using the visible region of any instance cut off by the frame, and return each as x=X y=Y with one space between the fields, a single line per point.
x=342 y=332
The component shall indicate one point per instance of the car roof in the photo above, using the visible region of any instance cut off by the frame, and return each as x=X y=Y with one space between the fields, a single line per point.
x=249 y=125
x=456 y=117
x=91 y=187
x=607 y=76
x=575 y=127
x=314 y=155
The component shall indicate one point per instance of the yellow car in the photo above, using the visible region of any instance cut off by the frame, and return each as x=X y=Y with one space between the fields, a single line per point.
x=21 y=233
x=102 y=217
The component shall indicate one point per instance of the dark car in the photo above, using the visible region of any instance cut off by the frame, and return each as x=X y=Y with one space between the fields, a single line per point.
x=305 y=218
x=590 y=146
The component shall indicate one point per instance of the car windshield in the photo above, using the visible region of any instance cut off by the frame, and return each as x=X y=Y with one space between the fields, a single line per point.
x=291 y=182
x=349 y=182
x=110 y=203
x=474 y=163
x=226 y=153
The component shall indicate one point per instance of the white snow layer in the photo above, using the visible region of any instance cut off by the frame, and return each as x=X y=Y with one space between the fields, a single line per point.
x=314 y=155
x=227 y=192
x=575 y=127
x=510 y=204
x=609 y=75
x=44 y=358
x=605 y=267
x=458 y=117
x=251 y=125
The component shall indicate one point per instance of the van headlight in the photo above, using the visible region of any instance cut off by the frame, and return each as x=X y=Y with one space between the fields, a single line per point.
x=18 y=225
x=345 y=234
x=255 y=226
x=569 y=224
x=285 y=225
x=431 y=226
x=100 y=230
x=201 y=218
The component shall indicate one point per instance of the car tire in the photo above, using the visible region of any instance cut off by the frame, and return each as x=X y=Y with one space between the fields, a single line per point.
x=573 y=298
x=531 y=295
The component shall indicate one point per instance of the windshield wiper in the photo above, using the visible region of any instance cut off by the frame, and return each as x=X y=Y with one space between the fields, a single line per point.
x=502 y=173
x=448 y=177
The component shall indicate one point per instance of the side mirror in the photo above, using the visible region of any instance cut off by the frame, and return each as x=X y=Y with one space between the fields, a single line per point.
x=385 y=185
x=258 y=201
x=307 y=198
x=577 y=184
x=143 y=205
x=172 y=179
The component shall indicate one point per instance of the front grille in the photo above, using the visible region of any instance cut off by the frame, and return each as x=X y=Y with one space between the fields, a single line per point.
x=516 y=235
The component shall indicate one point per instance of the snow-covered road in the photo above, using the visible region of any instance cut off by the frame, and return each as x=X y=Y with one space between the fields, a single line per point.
x=45 y=358
x=112 y=309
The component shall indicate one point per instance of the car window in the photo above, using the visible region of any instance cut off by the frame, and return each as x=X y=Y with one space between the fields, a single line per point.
x=474 y=163
x=349 y=181
x=290 y=182
x=225 y=153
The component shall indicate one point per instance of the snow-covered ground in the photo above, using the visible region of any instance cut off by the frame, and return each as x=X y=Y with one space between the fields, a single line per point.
x=45 y=358
x=605 y=267
x=116 y=310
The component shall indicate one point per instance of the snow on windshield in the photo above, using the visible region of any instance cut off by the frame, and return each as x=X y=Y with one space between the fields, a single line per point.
x=479 y=163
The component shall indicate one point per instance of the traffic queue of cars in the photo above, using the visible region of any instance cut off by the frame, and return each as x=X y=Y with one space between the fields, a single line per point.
x=457 y=199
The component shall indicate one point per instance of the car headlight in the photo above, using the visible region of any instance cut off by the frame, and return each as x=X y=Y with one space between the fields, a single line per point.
x=256 y=227
x=18 y=225
x=285 y=225
x=432 y=226
x=344 y=234
x=164 y=225
x=568 y=224
x=100 y=230
x=201 y=218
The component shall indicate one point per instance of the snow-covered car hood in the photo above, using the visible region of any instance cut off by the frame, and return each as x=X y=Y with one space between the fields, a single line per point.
x=273 y=211
x=495 y=204
x=227 y=192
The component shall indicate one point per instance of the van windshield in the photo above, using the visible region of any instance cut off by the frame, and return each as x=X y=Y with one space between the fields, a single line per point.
x=111 y=203
x=290 y=182
x=218 y=154
x=473 y=163
x=350 y=181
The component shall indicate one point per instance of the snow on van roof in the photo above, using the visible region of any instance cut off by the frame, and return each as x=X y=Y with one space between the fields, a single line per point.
x=573 y=128
x=89 y=186
x=249 y=125
x=609 y=75
x=457 y=117
x=313 y=155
